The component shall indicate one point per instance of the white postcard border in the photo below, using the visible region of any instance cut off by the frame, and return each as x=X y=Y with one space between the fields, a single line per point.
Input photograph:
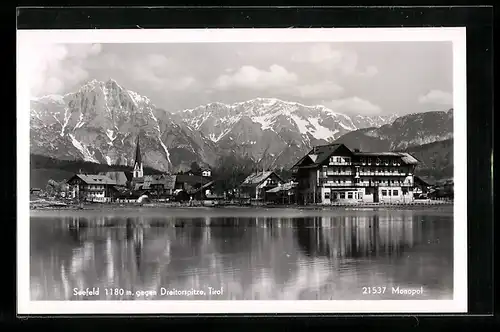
x=26 y=39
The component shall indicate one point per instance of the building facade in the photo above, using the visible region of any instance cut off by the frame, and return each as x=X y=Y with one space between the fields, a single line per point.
x=93 y=188
x=334 y=174
x=256 y=185
x=158 y=185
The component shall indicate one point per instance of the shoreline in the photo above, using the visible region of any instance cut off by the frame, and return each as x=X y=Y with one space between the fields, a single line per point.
x=113 y=206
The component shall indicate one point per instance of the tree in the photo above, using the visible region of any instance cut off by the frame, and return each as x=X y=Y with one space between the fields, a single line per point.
x=231 y=171
x=195 y=168
x=49 y=189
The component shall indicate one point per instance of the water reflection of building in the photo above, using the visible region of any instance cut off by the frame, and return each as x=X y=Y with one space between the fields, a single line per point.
x=356 y=236
x=100 y=256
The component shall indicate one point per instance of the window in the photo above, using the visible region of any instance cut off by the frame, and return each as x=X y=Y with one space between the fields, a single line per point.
x=327 y=195
x=339 y=160
x=384 y=192
x=395 y=193
x=360 y=195
x=349 y=195
x=342 y=195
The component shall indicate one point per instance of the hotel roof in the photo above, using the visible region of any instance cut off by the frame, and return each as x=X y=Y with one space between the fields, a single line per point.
x=405 y=157
x=96 y=179
x=319 y=154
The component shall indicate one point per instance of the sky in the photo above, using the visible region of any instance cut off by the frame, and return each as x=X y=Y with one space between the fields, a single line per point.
x=370 y=78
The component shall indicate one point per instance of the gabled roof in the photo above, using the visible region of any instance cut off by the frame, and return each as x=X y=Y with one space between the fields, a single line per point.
x=205 y=186
x=285 y=187
x=95 y=179
x=405 y=156
x=145 y=182
x=420 y=181
x=319 y=154
x=257 y=178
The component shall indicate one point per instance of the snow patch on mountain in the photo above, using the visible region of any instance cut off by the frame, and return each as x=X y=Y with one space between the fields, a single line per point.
x=51 y=99
x=321 y=132
x=66 y=119
x=265 y=121
x=167 y=153
x=80 y=122
x=301 y=124
x=87 y=156
x=110 y=134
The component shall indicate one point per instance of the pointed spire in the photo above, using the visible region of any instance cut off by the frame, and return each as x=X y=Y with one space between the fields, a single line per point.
x=138 y=160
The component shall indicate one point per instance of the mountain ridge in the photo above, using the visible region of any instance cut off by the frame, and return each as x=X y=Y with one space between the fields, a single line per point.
x=100 y=121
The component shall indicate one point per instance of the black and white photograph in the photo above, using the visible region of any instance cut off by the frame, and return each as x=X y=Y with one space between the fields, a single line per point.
x=311 y=170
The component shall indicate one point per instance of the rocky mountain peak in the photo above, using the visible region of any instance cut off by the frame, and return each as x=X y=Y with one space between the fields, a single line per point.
x=100 y=121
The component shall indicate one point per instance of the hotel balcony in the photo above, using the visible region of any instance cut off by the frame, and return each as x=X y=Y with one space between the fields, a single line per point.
x=93 y=189
x=336 y=184
x=334 y=163
x=332 y=173
x=379 y=164
x=382 y=174
x=382 y=184
x=325 y=183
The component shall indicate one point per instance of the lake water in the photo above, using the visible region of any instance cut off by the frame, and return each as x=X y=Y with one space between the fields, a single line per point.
x=241 y=254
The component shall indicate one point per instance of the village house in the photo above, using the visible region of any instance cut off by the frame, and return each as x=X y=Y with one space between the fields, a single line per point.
x=191 y=184
x=421 y=187
x=94 y=188
x=203 y=192
x=126 y=195
x=35 y=191
x=256 y=185
x=158 y=185
x=335 y=174
x=283 y=193
x=206 y=172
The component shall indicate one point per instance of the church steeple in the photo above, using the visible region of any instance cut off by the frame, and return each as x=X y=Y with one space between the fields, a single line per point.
x=138 y=171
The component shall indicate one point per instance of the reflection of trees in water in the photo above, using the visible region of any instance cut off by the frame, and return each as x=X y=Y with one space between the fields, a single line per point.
x=244 y=251
x=356 y=236
x=229 y=235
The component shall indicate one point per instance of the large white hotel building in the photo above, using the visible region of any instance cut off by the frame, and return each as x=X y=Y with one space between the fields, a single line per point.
x=335 y=174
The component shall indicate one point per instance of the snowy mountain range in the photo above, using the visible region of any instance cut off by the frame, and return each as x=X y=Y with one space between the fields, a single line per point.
x=404 y=132
x=101 y=121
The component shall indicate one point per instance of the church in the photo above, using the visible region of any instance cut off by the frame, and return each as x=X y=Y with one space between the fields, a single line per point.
x=158 y=185
x=138 y=169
